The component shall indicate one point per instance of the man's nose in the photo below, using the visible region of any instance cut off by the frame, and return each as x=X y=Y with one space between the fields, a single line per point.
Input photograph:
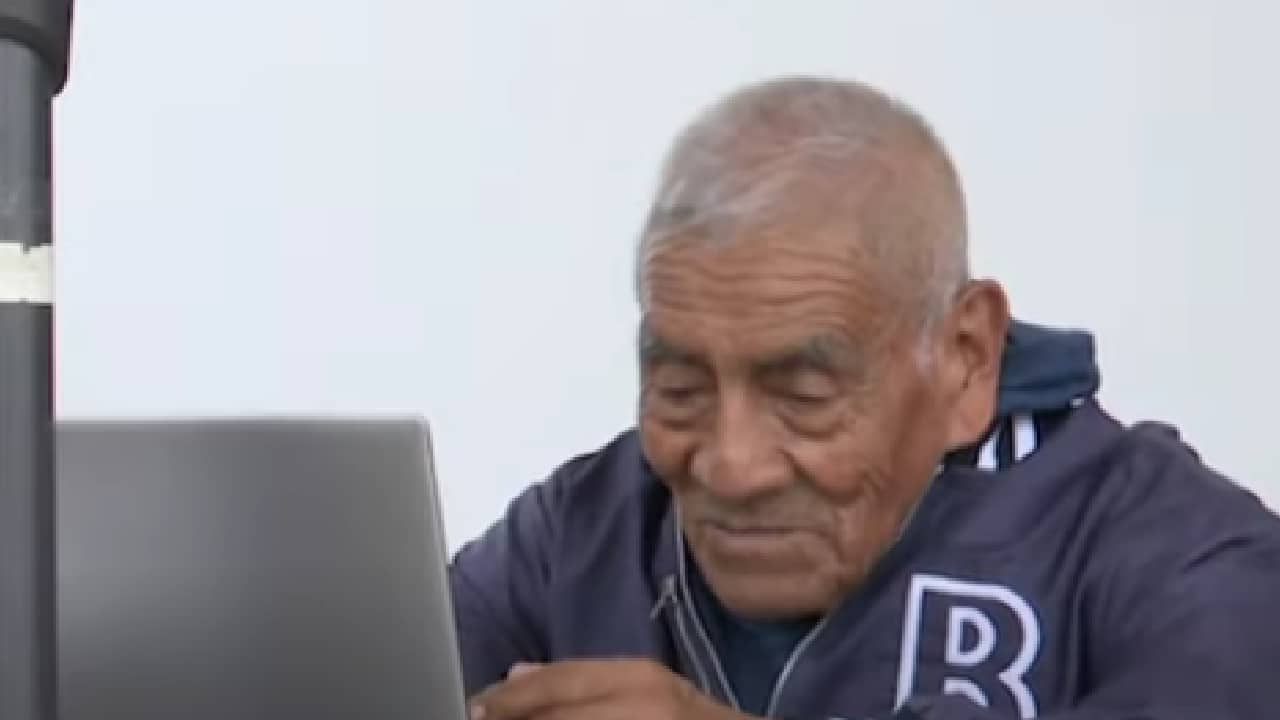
x=742 y=457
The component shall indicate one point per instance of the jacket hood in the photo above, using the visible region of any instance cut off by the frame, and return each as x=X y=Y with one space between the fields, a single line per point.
x=1046 y=369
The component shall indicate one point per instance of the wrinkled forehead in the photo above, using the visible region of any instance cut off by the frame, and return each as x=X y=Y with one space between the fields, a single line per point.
x=765 y=289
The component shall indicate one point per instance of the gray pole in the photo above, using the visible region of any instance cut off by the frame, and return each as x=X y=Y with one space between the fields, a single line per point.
x=33 y=59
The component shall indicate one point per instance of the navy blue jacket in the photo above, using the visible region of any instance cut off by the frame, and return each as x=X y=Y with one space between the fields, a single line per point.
x=1108 y=575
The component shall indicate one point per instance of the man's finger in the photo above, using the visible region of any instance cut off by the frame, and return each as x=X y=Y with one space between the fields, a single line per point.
x=603 y=709
x=549 y=687
x=522 y=669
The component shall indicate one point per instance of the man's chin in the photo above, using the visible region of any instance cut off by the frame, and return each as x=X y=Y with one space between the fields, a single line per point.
x=772 y=596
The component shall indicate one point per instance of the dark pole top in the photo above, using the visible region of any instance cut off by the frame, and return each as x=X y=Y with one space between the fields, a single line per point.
x=45 y=27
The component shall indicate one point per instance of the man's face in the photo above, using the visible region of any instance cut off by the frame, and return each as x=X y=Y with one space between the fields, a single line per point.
x=783 y=405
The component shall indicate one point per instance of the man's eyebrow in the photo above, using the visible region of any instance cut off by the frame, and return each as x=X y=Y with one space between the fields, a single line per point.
x=827 y=353
x=654 y=349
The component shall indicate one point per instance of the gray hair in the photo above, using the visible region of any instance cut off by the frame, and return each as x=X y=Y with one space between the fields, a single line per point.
x=746 y=157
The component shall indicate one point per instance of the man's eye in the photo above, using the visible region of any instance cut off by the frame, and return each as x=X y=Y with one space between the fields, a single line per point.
x=807 y=399
x=678 y=395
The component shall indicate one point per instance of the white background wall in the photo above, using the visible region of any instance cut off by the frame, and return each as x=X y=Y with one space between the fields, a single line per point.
x=308 y=206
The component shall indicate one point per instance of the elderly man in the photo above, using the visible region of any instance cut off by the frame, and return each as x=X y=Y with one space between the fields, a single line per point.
x=857 y=489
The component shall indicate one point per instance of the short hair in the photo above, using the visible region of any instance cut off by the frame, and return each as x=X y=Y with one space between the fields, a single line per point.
x=742 y=160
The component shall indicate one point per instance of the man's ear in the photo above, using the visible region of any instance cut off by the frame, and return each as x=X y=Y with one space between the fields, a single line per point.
x=973 y=346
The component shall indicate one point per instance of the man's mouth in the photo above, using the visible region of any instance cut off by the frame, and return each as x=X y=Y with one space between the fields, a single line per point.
x=737 y=529
x=747 y=540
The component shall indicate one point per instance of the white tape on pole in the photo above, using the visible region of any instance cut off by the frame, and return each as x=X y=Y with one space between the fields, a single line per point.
x=26 y=274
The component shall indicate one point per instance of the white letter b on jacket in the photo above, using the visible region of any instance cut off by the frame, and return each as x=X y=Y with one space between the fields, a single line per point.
x=973 y=639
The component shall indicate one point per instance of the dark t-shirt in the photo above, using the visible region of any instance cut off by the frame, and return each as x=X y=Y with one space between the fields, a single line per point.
x=753 y=652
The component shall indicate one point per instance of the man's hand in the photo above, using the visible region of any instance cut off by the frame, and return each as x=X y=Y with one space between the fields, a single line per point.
x=597 y=690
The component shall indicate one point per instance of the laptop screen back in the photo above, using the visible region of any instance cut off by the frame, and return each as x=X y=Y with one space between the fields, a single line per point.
x=252 y=569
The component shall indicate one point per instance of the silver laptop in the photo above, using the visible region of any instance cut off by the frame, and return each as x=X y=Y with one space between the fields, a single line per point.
x=252 y=569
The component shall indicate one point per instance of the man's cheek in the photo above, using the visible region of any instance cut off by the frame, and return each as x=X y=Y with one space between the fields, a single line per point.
x=669 y=453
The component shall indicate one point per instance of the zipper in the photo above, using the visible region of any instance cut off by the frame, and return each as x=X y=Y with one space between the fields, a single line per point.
x=668 y=599
x=668 y=594
x=697 y=623
x=776 y=696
